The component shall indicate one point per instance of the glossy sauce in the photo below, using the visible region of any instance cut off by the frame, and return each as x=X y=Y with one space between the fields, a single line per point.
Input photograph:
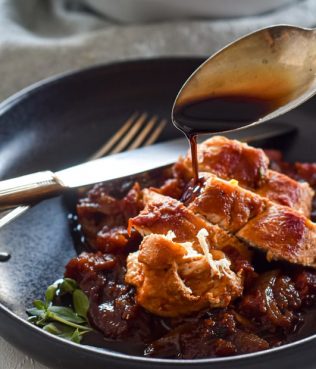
x=215 y=115
x=236 y=100
x=207 y=334
x=219 y=114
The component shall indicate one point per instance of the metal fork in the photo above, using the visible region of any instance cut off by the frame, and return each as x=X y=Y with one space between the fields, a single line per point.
x=139 y=130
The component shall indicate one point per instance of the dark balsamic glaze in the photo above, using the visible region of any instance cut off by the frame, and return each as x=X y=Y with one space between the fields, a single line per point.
x=218 y=114
x=193 y=146
x=192 y=190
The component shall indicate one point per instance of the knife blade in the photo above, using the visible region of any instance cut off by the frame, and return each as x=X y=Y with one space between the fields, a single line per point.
x=123 y=164
x=33 y=187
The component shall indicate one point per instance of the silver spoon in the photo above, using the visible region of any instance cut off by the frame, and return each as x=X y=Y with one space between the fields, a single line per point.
x=256 y=78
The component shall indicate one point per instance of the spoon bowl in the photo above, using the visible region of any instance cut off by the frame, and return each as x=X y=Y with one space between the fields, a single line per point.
x=254 y=79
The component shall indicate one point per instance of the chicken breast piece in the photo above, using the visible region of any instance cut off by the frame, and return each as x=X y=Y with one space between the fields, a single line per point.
x=231 y=159
x=227 y=204
x=284 y=190
x=172 y=279
x=282 y=232
x=163 y=214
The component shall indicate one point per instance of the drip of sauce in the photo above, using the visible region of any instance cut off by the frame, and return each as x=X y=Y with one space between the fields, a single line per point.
x=192 y=191
x=194 y=187
x=212 y=102
x=193 y=146
x=219 y=114
x=215 y=115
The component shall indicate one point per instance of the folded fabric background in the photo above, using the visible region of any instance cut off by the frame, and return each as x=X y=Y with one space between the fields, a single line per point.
x=40 y=38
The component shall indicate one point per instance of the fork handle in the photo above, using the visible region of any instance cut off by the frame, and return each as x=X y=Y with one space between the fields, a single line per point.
x=29 y=188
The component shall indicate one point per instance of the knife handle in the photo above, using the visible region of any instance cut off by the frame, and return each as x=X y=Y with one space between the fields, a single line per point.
x=29 y=188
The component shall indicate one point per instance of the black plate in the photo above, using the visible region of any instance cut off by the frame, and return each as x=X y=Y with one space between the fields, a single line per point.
x=61 y=121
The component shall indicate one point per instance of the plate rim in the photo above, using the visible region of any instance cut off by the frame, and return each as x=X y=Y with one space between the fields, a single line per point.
x=8 y=102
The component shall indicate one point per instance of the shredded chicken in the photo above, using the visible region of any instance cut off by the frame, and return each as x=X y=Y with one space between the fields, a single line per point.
x=171 y=280
x=218 y=267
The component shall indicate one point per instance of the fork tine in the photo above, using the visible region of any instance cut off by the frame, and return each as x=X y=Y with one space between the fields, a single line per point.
x=105 y=149
x=140 y=138
x=130 y=135
x=156 y=133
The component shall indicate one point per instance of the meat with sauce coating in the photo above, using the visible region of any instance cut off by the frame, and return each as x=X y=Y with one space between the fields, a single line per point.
x=172 y=279
x=232 y=159
x=163 y=213
x=281 y=232
x=175 y=301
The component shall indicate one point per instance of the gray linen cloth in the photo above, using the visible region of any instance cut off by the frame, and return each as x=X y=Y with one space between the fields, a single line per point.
x=40 y=38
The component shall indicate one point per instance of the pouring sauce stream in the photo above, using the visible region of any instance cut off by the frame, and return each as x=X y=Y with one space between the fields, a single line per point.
x=210 y=113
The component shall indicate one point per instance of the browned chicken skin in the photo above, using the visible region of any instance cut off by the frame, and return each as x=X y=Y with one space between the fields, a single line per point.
x=231 y=159
x=163 y=214
x=227 y=204
x=282 y=232
x=284 y=190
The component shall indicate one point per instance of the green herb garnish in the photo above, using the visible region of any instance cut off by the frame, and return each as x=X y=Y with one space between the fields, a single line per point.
x=69 y=322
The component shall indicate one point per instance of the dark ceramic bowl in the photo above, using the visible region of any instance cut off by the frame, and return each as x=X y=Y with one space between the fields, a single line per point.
x=61 y=121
